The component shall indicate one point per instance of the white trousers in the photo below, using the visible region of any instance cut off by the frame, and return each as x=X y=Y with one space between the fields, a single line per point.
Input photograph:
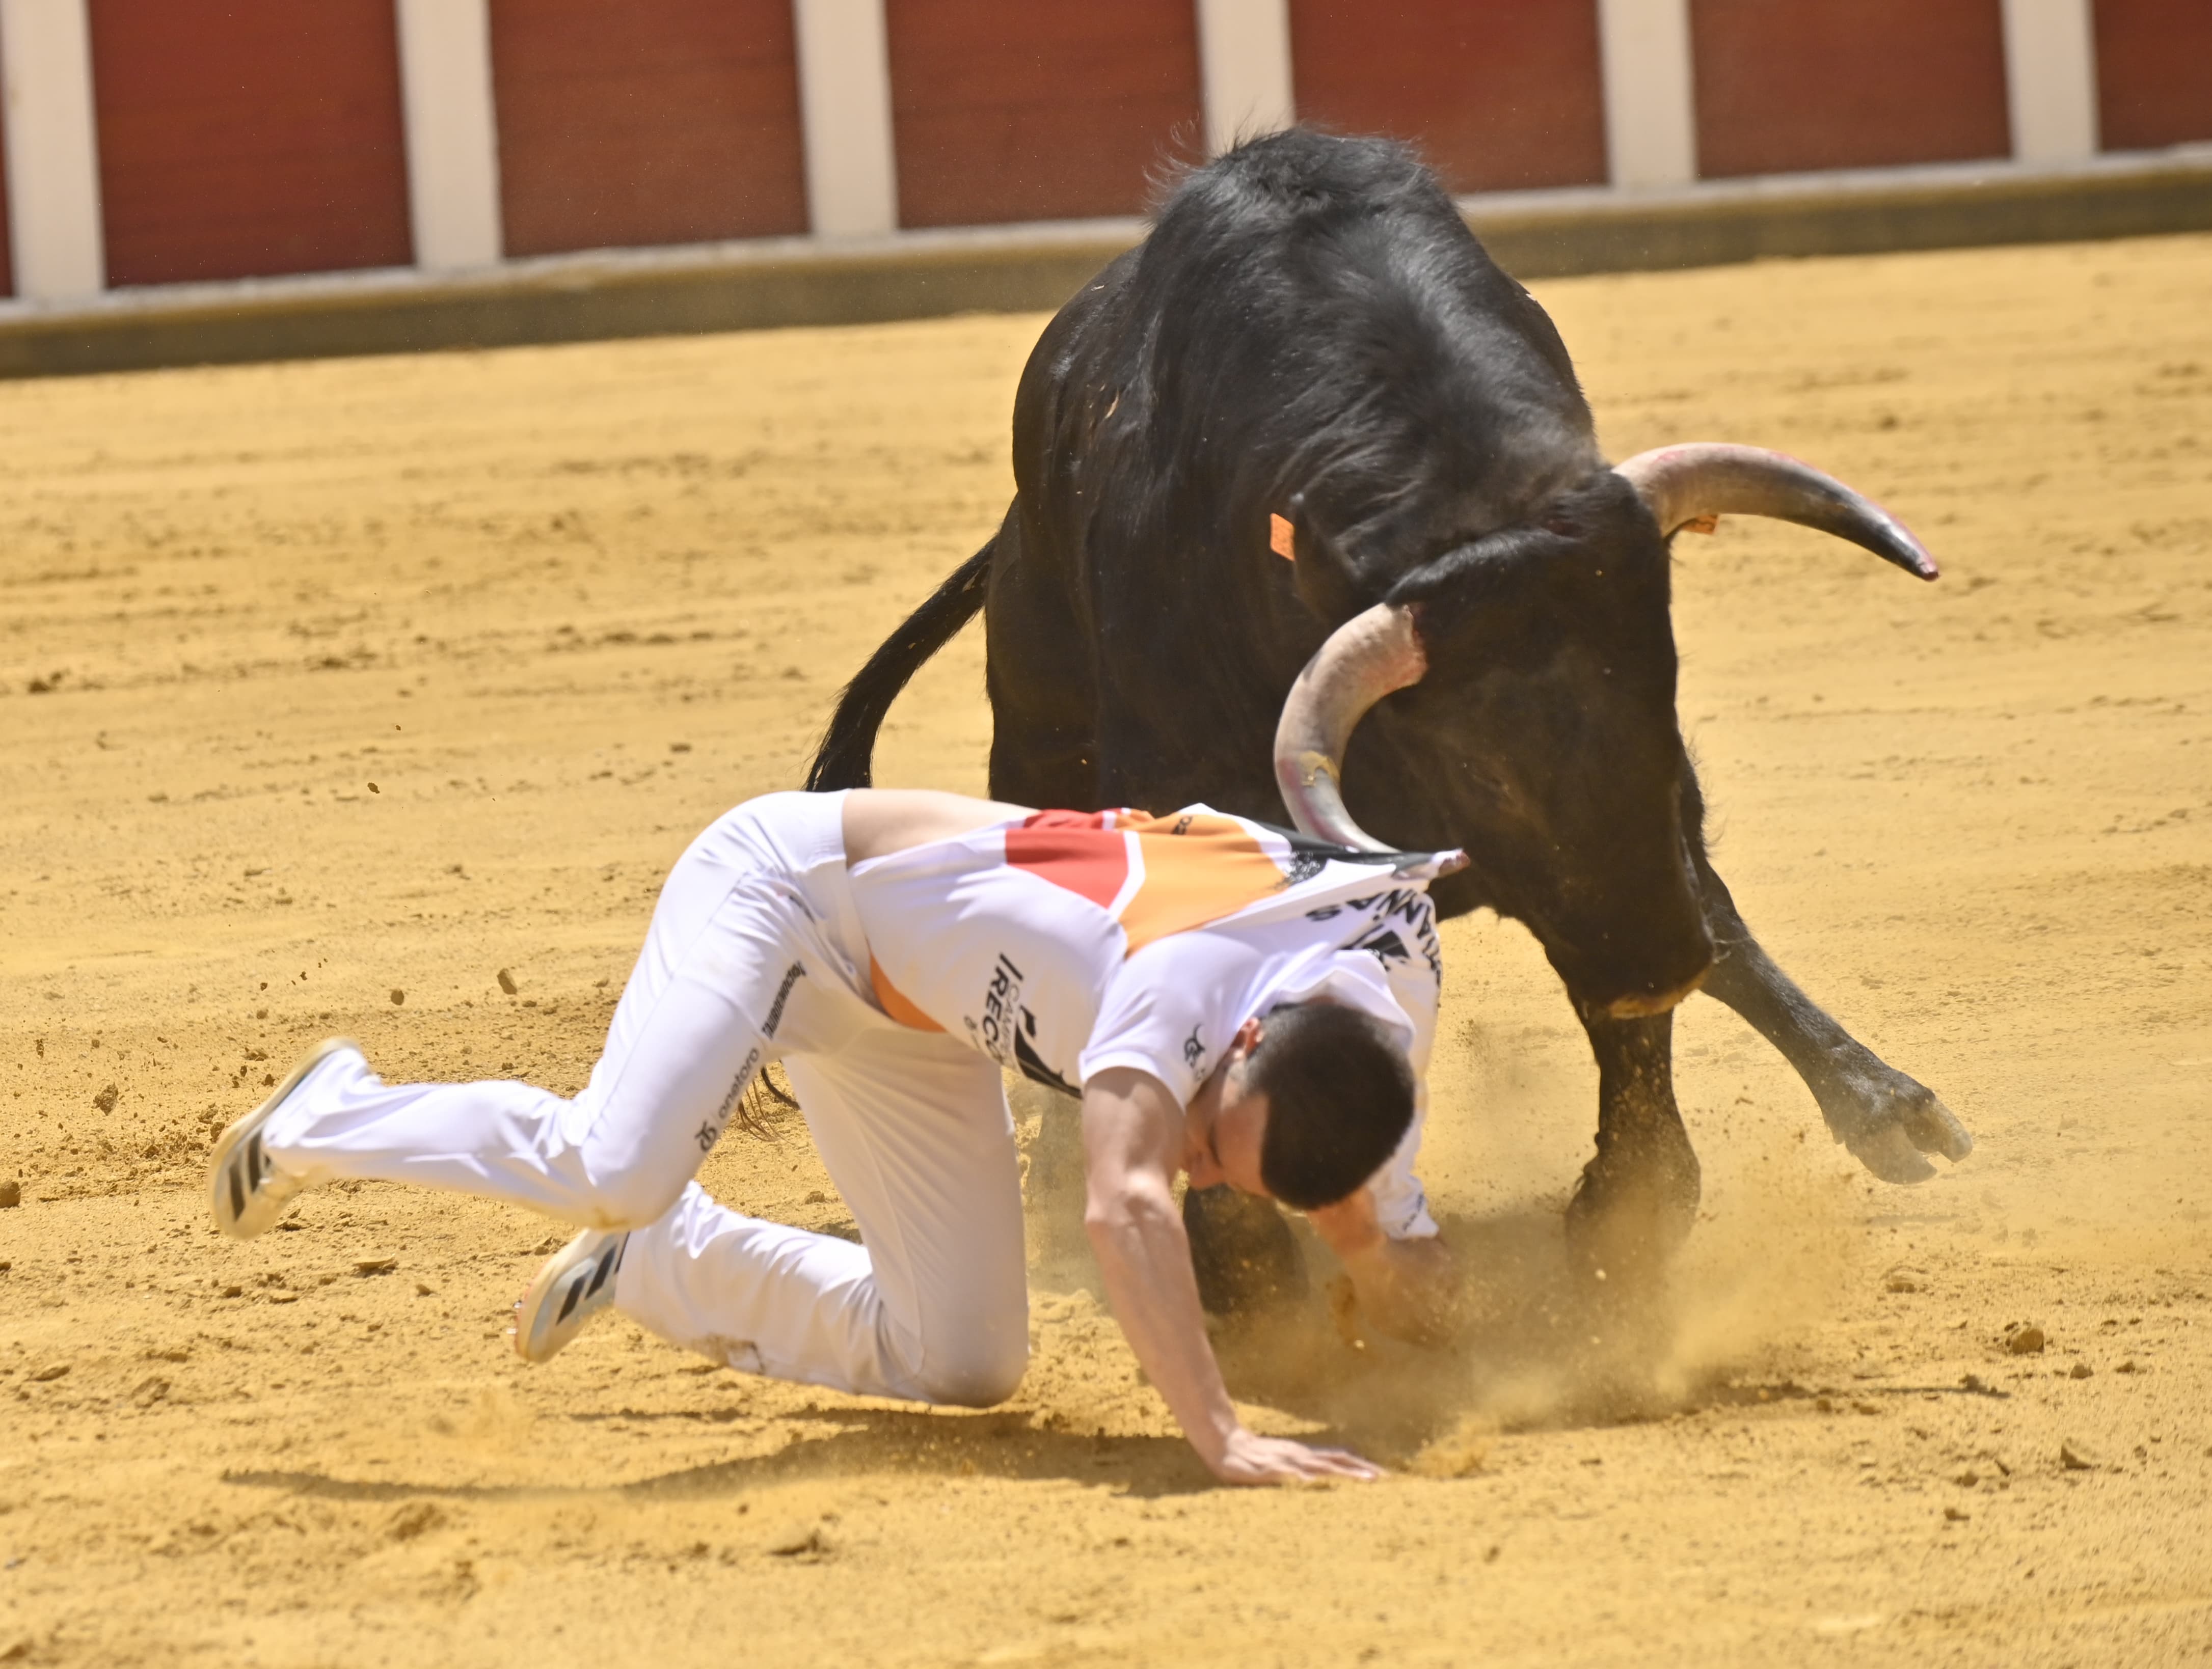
x=755 y=954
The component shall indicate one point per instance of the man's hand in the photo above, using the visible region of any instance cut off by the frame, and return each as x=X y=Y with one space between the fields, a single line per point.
x=1132 y=1145
x=1409 y=1289
x=1248 y=1458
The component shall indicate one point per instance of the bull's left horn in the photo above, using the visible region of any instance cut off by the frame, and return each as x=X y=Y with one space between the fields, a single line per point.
x=1683 y=484
x=1364 y=660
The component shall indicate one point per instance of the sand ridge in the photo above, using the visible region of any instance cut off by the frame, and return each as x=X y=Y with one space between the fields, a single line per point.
x=343 y=697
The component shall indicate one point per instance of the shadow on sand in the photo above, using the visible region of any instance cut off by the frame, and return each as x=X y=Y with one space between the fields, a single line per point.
x=835 y=1443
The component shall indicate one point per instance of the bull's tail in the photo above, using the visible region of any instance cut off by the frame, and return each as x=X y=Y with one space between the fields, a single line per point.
x=847 y=746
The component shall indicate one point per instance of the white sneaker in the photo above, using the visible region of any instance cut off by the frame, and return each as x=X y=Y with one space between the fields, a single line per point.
x=245 y=1192
x=574 y=1285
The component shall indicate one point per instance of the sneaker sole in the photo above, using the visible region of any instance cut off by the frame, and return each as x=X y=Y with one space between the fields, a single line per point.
x=226 y=1190
x=586 y=1268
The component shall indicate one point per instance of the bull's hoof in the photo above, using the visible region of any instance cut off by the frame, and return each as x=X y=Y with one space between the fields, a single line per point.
x=1633 y=1209
x=1246 y=1258
x=1890 y=1122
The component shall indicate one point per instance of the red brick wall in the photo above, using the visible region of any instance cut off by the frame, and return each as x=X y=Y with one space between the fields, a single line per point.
x=1785 y=85
x=2153 y=73
x=645 y=122
x=1500 y=94
x=245 y=137
x=1007 y=111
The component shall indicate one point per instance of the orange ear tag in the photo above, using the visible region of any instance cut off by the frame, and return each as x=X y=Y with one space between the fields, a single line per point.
x=1280 y=539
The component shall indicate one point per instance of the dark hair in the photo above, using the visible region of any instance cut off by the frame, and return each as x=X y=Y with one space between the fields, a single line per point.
x=765 y=1103
x=1339 y=1097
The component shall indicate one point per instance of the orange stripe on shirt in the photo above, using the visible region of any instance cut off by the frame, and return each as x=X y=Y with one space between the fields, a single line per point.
x=896 y=1003
x=1198 y=868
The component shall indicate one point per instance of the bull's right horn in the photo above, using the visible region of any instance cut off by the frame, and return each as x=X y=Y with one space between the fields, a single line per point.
x=1703 y=479
x=1363 y=660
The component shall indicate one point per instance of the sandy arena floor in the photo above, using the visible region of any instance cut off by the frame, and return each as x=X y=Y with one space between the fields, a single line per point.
x=376 y=697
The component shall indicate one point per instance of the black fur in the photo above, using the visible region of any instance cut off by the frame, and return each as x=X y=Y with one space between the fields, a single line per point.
x=1312 y=331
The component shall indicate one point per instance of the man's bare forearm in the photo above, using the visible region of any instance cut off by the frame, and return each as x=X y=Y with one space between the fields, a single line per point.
x=1133 y=1134
x=1144 y=1259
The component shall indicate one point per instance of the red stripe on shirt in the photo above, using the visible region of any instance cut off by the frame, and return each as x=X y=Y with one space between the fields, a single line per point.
x=1074 y=850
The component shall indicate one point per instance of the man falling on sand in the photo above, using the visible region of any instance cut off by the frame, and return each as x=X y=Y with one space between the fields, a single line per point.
x=1237 y=1004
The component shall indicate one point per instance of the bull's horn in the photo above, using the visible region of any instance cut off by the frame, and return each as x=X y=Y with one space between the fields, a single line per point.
x=1706 y=478
x=1364 y=660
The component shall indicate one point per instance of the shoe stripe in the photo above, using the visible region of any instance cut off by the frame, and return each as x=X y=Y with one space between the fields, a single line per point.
x=237 y=1192
x=602 y=1270
x=567 y=1304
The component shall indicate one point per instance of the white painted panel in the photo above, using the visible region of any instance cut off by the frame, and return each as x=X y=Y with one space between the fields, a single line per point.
x=2051 y=79
x=453 y=132
x=1244 y=65
x=53 y=155
x=1650 y=109
x=845 y=110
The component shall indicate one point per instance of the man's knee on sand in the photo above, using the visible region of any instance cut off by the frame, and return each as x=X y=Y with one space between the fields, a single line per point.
x=978 y=1378
x=975 y=1362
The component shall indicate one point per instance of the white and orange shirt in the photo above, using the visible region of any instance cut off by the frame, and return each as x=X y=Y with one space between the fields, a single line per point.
x=1064 y=942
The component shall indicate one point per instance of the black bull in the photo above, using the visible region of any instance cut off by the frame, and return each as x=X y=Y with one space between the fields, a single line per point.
x=1312 y=356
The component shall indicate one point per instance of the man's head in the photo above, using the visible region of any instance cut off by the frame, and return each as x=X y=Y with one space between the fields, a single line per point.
x=1305 y=1106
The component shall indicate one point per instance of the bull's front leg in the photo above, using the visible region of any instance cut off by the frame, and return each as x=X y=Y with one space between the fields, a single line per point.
x=1638 y=1197
x=1888 y=1121
x=1243 y=1252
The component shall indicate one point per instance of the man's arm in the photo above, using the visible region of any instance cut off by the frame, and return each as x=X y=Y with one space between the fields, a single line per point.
x=1408 y=1287
x=1132 y=1134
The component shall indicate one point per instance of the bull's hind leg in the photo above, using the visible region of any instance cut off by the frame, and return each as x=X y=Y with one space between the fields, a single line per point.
x=1038 y=673
x=1888 y=1121
x=1638 y=1197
